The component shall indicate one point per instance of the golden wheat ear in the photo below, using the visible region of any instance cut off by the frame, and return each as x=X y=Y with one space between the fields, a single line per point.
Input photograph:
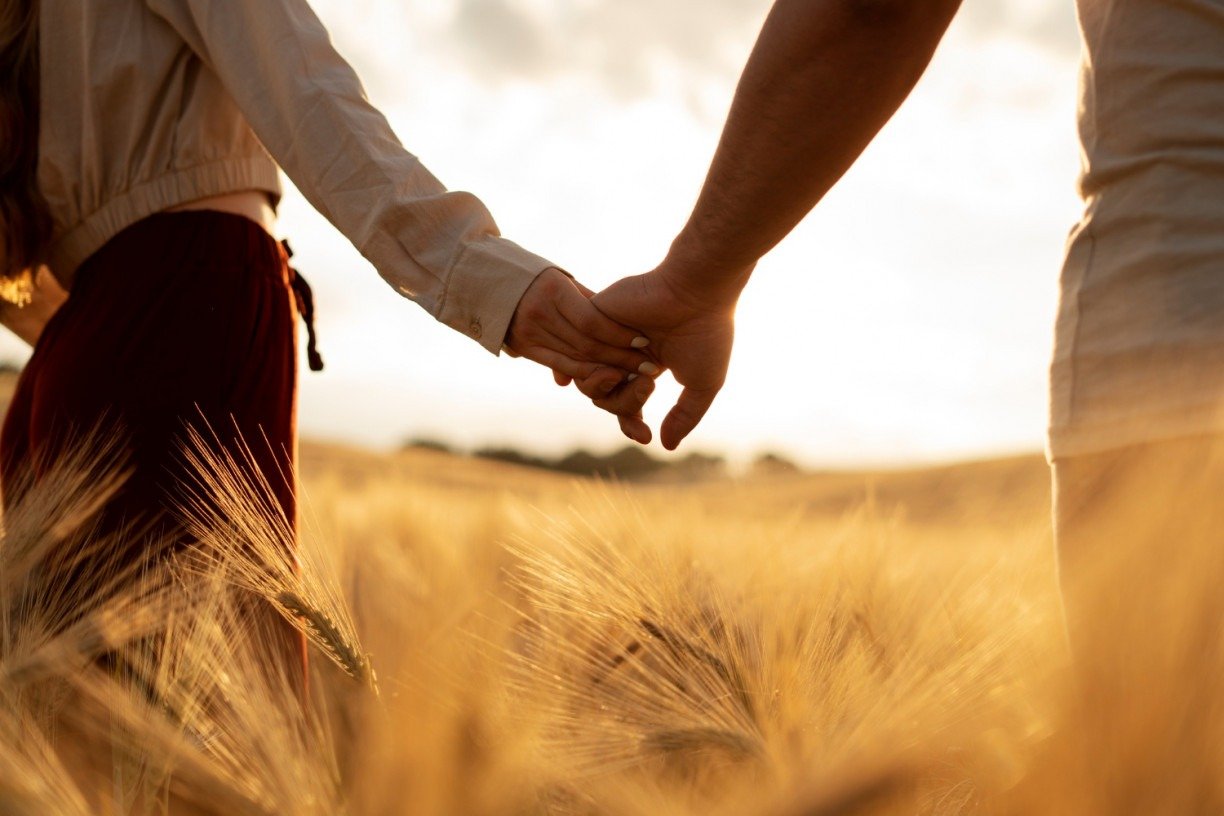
x=241 y=531
x=70 y=594
x=70 y=591
x=640 y=663
x=211 y=724
x=46 y=502
x=330 y=638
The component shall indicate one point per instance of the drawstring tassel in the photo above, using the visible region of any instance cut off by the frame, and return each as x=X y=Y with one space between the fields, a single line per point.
x=305 y=306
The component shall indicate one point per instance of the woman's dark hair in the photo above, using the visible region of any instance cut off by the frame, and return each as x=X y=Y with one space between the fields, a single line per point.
x=25 y=224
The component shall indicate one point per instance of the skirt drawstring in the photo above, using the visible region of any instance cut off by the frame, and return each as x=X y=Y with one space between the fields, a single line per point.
x=305 y=306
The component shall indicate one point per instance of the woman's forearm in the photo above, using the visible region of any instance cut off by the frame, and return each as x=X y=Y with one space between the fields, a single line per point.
x=438 y=247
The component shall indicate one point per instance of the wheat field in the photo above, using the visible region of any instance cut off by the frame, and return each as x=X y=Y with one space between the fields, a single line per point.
x=487 y=639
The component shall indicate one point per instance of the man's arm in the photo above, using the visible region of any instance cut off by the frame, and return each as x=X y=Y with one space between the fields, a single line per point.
x=823 y=78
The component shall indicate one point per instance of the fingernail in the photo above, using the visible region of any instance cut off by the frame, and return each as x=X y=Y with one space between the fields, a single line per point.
x=607 y=387
x=648 y=368
x=640 y=342
x=631 y=377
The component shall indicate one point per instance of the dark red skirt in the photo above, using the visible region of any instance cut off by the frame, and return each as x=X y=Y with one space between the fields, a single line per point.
x=184 y=319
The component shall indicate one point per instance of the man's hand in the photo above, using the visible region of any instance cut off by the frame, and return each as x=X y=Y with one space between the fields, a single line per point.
x=824 y=76
x=556 y=326
x=691 y=332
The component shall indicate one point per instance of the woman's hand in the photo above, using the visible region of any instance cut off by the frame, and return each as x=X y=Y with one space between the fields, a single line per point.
x=556 y=326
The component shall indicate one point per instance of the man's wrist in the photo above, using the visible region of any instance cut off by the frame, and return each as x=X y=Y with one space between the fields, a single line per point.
x=700 y=281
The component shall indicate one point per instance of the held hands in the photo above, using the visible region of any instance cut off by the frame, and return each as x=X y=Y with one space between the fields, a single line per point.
x=691 y=331
x=556 y=326
x=583 y=338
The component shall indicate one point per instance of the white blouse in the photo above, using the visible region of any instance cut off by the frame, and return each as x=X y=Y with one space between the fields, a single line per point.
x=147 y=104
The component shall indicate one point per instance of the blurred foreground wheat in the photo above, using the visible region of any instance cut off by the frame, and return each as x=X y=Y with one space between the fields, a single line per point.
x=501 y=643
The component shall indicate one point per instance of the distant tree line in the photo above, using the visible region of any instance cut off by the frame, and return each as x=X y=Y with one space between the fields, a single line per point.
x=630 y=463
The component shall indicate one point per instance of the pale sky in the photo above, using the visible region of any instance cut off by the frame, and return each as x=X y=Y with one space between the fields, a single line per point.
x=908 y=318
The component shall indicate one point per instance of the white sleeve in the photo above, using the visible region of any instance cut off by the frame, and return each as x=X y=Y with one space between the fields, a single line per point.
x=440 y=248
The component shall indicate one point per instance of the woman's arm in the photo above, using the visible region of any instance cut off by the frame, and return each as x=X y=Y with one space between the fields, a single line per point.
x=437 y=247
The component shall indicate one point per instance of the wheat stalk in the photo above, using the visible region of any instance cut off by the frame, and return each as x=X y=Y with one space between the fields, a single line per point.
x=327 y=636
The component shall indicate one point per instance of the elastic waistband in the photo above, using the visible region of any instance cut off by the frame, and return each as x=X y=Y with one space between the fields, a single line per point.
x=151 y=198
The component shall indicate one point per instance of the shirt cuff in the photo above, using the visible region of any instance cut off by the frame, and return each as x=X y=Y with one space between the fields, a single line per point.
x=485 y=286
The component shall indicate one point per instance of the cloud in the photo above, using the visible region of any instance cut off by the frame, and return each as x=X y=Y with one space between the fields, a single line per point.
x=625 y=48
x=628 y=47
x=620 y=45
x=500 y=40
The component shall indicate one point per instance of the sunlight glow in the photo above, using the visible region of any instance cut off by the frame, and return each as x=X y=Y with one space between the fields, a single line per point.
x=908 y=318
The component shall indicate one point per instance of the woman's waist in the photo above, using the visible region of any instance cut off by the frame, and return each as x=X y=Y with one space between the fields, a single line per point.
x=255 y=205
x=244 y=185
x=166 y=248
